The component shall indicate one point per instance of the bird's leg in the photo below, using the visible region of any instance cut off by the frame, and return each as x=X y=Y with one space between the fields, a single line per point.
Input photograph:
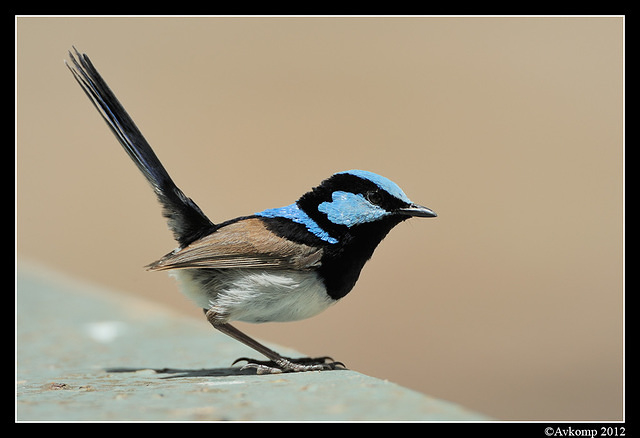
x=276 y=363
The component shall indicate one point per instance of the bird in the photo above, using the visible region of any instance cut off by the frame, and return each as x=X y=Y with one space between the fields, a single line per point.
x=277 y=265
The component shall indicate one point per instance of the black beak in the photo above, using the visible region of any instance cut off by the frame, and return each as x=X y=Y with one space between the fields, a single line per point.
x=417 y=210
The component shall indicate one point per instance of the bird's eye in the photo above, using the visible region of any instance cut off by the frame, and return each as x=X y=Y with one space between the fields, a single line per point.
x=373 y=197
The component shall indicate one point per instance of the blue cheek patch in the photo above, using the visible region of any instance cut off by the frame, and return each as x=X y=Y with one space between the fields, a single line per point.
x=298 y=216
x=350 y=209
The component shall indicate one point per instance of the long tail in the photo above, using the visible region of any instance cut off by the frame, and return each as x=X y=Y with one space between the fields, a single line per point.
x=186 y=220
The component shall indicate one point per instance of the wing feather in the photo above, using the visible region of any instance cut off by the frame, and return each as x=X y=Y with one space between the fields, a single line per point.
x=242 y=244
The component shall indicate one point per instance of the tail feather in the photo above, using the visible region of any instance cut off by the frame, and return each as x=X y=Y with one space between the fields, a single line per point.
x=185 y=219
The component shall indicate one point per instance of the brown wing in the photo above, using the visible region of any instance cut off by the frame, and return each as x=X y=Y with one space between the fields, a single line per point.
x=243 y=244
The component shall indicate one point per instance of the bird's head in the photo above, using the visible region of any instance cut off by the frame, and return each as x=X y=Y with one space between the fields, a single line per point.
x=359 y=199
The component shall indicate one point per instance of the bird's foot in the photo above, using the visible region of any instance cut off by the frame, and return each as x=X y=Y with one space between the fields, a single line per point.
x=289 y=365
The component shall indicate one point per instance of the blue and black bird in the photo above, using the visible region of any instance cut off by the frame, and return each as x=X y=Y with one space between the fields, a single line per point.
x=281 y=264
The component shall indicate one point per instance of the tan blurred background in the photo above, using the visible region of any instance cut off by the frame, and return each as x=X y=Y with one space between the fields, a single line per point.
x=510 y=302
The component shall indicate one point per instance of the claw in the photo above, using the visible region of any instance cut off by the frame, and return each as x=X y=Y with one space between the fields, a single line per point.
x=240 y=359
x=262 y=369
x=288 y=365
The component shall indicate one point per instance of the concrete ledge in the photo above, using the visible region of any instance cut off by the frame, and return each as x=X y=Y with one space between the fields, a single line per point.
x=88 y=354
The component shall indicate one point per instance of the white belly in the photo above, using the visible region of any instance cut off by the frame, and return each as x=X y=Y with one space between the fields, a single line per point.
x=253 y=295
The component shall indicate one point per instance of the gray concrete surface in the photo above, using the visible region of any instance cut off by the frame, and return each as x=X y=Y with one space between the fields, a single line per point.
x=89 y=354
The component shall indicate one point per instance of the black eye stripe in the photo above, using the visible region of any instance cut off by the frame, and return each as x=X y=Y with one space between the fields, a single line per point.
x=373 y=196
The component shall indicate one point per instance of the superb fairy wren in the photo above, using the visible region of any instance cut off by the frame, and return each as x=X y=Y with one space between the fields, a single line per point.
x=281 y=264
